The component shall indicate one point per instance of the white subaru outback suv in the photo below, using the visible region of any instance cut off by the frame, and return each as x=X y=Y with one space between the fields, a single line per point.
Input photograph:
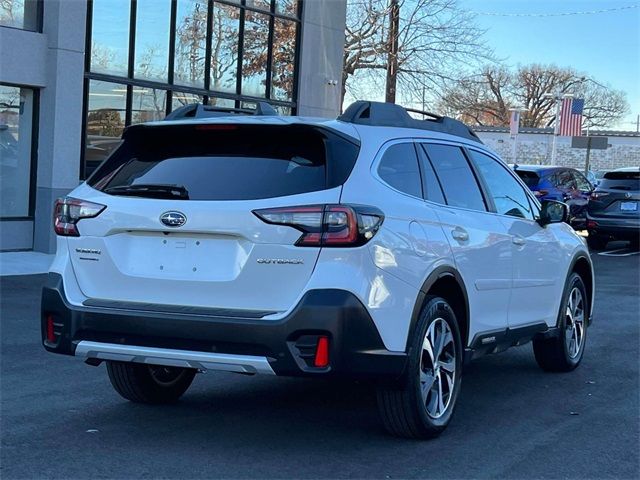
x=375 y=245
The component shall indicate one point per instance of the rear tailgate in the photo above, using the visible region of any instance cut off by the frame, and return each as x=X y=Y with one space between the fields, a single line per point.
x=223 y=256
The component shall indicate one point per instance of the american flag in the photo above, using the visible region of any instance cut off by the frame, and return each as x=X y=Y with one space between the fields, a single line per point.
x=571 y=117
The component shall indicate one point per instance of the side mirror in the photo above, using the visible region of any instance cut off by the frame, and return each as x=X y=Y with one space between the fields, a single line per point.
x=553 y=212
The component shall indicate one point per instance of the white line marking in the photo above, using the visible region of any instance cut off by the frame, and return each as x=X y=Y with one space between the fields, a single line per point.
x=616 y=253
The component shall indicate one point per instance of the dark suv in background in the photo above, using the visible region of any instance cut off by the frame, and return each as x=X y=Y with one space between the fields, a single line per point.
x=613 y=211
x=562 y=184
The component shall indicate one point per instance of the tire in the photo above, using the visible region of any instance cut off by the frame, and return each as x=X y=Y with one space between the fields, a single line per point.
x=153 y=384
x=597 y=242
x=563 y=352
x=405 y=410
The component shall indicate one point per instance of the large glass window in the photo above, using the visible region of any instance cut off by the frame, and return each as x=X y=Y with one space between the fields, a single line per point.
x=150 y=57
x=23 y=14
x=458 y=181
x=191 y=39
x=105 y=122
x=254 y=55
x=152 y=39
x=148 y=104
x=284 y=54
x=508 y=196
x=225 y=30
x=110 y=36
x=16 y=121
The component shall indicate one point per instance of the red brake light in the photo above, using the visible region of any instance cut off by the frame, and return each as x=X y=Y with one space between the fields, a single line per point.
x=68 y=211
x=327 y=225
x=321 y=359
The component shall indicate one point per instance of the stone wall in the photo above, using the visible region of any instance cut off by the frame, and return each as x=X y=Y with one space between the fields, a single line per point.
x=535 y=148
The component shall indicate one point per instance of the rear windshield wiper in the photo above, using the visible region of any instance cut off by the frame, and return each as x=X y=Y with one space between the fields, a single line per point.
x=150 y=190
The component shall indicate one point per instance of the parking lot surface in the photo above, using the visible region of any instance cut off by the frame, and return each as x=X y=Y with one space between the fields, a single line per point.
x=61 y=418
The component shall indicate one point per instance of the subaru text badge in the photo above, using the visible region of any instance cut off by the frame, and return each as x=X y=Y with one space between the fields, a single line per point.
x=173 y=219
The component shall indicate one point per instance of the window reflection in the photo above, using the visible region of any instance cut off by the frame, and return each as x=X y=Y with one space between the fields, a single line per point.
x=224 y=47
x=180 y=99
x=284 y=54
x=148 y=105
x=16 y=120
x=105 y=122
x=261 y=4
x=222 y=102
x=287 y=7
x=191 y=38
x=22 y=14
x=254 y=61
x=152 y=39
x=110 y=37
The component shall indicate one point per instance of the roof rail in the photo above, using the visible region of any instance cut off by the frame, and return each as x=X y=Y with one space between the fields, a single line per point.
x=198 y=110
x=364 y=112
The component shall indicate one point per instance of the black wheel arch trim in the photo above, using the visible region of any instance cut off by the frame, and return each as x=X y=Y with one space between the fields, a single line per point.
x=589 y=283
x=439 y=273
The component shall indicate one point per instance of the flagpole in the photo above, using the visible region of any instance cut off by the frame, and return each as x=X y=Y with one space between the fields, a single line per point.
x=558 y=97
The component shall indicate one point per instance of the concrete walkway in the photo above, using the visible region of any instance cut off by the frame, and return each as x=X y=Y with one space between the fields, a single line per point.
x=24 y=263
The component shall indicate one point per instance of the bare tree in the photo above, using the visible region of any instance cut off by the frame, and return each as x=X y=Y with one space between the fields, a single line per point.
x=485 y=98
x=435 y=41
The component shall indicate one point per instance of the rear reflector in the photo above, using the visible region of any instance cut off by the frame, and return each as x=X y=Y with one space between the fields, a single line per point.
x=591 y=224
x=51 y=335
x=327 y=225
x=321 y=359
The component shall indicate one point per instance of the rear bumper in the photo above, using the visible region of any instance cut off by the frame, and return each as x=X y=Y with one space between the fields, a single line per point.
x=619 y=227
x=285 y=346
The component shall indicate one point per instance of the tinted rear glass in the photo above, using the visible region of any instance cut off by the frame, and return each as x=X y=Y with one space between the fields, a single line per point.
x=621 y=181
x=228 y=162
x=530 y=178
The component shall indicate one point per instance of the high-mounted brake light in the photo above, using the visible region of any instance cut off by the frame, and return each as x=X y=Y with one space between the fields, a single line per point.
x=68 y=211
x=327 y=225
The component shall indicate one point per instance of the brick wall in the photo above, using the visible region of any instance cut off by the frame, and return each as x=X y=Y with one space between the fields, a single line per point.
x=535 y=148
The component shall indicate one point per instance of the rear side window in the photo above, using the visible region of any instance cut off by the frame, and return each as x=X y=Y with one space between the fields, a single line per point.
x=456 y=177
x=399 y=169
x=621 y=181
x=226 y=162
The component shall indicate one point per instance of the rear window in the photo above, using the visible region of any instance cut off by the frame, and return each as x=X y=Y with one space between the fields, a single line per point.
x=531 y=179
x=226 y=162
x=621 y=181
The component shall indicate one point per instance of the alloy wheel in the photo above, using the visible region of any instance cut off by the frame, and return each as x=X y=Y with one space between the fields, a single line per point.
x=574 y=325
x=438 y=368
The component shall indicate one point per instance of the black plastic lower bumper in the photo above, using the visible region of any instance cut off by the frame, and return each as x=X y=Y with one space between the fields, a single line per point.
x=355 y=346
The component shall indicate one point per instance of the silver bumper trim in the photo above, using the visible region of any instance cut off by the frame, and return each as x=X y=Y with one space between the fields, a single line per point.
x=174 y=358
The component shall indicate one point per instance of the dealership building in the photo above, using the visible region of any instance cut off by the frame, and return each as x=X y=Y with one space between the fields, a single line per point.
x=75 y=73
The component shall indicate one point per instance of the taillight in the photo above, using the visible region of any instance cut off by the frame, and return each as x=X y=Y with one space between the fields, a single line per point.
x=597 y=195
x=68 y=211
x=327 y=225
x=540 y=193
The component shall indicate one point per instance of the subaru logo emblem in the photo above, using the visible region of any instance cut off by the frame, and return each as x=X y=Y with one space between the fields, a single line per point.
x=627 y=195
x=173 y=219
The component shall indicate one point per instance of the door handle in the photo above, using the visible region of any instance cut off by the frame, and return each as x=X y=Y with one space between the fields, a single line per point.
x=460 y=234
x=518 y=240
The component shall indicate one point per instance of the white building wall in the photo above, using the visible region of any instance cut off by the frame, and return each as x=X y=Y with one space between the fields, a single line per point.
x=535 y=148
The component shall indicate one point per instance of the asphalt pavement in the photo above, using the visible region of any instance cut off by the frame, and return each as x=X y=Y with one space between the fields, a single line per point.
x=61 y=419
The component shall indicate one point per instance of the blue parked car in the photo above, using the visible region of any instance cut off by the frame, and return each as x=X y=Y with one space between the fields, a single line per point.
x=564 y=184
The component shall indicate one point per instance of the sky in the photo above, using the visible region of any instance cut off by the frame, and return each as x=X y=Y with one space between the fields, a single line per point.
x=606 y=46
